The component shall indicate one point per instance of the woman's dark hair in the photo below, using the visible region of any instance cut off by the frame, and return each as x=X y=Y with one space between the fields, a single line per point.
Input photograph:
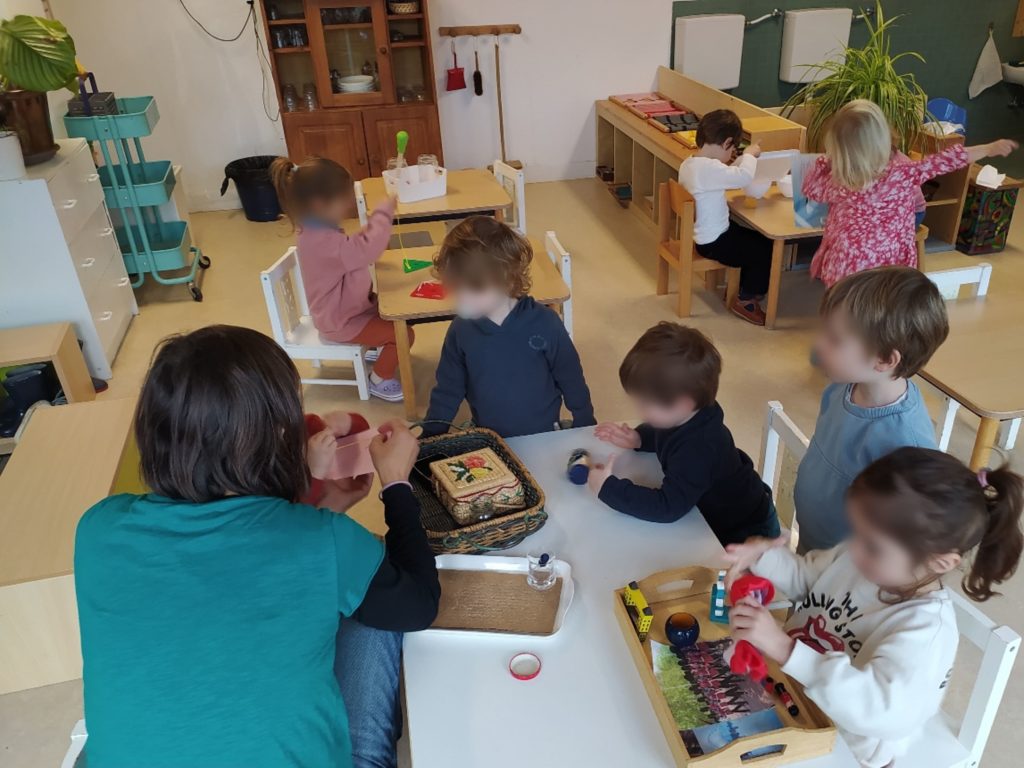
x=221 y=415
x=315 y=178
x=931 y=503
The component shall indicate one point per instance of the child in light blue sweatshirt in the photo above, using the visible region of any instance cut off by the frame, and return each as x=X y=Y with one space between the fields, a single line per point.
x=879 y=328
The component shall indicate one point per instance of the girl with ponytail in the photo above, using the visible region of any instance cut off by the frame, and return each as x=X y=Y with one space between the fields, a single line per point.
x=873 y=633
x=317 y=194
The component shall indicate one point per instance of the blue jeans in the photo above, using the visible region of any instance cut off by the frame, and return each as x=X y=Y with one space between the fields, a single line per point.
x=366 y=664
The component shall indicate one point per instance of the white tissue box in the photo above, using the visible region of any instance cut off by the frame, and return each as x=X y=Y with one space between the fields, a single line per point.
x=416 y=182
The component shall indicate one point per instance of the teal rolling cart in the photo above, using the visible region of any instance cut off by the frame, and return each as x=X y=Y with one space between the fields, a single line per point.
x=137 y=187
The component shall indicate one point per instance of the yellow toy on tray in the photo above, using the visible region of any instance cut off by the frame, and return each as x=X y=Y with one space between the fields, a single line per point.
x=476 y=486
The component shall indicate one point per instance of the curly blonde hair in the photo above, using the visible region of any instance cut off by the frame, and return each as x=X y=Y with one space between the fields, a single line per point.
x=482 y=252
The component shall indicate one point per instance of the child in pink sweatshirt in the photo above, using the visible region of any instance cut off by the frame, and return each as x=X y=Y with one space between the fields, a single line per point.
x=316 y=195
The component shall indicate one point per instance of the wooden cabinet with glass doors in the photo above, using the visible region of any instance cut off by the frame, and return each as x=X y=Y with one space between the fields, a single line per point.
x=350 y=74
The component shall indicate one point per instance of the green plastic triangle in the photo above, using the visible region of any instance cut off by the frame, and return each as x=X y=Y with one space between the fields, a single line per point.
x=413 y=265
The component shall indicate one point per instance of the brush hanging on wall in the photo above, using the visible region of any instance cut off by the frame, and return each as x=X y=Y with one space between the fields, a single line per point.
x=478 y=78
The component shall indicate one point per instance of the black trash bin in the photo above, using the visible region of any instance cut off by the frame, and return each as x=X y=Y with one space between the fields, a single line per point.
x=252 y=180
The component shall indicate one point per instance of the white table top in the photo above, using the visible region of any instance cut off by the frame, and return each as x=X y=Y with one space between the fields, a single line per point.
x=588 y=706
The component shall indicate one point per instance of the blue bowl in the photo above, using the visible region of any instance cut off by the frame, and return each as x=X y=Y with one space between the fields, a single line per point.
x=682 y=630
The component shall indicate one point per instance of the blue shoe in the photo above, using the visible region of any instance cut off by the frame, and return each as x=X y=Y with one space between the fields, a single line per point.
x=388 y=389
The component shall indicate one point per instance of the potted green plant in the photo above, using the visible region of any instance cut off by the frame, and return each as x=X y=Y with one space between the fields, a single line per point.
x=37 y=55
x=864 y=73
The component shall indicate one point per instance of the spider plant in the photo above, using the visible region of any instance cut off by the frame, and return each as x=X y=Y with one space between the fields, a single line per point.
x=865 y=73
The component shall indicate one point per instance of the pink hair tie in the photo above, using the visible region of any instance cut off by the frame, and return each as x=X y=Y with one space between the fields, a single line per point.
x=983 y=477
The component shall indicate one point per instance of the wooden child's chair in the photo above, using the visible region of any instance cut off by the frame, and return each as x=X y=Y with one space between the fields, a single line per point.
x=676 y=250
x=293 y=328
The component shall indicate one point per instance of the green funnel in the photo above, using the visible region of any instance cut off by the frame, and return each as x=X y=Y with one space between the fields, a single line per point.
x=402 y=138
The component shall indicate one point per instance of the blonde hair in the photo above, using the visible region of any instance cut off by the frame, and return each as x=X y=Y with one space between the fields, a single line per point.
x=859 y=144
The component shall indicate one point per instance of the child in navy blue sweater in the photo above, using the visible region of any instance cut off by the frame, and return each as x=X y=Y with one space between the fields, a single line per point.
x=507 y=356
x=672 y=375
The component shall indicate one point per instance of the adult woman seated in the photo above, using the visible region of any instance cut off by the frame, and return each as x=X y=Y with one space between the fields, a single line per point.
x=210 y=608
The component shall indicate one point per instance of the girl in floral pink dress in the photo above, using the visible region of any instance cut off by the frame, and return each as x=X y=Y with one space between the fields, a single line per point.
x=871 y=190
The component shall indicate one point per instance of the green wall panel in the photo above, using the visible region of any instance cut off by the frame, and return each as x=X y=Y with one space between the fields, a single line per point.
x=948 y=33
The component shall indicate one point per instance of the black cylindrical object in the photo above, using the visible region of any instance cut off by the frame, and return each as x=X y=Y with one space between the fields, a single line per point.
x=252 y=180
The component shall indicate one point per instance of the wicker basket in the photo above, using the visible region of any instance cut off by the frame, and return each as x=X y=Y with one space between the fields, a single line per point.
x=403 y=8
x=445 y=534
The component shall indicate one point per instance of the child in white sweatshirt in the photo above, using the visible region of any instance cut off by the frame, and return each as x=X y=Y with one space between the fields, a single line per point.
x=873 y=635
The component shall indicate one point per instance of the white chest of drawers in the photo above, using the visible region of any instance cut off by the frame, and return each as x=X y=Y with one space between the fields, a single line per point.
x=59 y=259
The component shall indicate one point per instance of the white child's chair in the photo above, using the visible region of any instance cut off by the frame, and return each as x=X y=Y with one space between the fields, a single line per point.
x=78 y=737
x=357 y=189
x=293 y=327
x=563 y=263
x=514 y=182
x=780 y=432
x=946 y=741
x=949 y=282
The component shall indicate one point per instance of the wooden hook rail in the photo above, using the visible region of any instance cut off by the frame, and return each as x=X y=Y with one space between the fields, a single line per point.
x=482 y=29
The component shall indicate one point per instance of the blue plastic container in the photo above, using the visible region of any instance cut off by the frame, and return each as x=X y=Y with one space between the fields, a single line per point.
x=169 y=243
x=137 y=116
x=945 y=110
x=153 y=183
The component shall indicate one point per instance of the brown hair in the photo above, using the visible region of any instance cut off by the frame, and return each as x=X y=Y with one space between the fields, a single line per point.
x=718 y=126
x=221 y=415
x=931 y=503
x=482 y=252
x=892 y=309
x=315 y=178
x=671 y=361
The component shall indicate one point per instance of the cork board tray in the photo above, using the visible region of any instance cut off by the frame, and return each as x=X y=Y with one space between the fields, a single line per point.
x=489 y=594
x=809 y=734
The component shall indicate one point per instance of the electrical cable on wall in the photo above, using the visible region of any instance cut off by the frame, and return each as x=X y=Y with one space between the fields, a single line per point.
x=262 y=59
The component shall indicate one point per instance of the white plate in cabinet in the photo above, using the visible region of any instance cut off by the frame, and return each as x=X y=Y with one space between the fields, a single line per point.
x=92 y=250
x=112 y=305
x=75 y=191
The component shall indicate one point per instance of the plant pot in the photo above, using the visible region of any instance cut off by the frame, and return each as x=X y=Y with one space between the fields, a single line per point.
x=28 y=115
x=12 y=165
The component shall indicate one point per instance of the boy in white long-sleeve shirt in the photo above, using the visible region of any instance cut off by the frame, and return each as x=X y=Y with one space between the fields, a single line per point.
x=707 y=175
x=873 y=635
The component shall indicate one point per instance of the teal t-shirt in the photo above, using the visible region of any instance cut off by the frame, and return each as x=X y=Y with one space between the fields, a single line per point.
x=208 y=631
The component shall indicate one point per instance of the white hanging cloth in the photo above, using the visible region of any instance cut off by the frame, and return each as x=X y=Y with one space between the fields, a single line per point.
x=989 y=70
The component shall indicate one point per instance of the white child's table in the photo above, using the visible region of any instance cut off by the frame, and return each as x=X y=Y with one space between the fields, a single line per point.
x=588 y=706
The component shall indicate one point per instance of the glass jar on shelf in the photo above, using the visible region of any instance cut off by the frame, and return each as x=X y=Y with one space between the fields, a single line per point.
x=290 y=98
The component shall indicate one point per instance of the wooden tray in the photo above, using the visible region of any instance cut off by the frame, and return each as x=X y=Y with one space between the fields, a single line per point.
x=488 y=593
x=809 y=734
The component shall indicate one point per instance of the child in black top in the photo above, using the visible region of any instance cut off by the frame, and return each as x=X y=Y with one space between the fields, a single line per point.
x=508 y=356
x=672 y=375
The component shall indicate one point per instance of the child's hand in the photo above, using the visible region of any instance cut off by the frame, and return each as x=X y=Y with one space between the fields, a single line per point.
x=320 y=450
x=338 y=422
x=620 y=435
x=741 y=557
x=1002 y=147
x=754 y=150
x=394 y=451
x=751 y=621
x=341 y=495
x=599 y=473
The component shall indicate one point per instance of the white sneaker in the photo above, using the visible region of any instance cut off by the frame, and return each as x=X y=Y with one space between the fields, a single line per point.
x=388 y=389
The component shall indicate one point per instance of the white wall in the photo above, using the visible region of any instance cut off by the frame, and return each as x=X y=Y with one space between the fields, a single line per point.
x=571 y=52
x=208 y=92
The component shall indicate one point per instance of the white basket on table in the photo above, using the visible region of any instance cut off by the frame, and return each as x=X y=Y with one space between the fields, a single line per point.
x=416 y=182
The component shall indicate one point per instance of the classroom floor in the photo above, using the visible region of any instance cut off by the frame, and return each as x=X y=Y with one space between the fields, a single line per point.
x=613 y=276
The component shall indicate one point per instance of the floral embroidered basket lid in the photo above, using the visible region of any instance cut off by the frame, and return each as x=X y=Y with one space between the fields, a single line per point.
x=471 y=473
